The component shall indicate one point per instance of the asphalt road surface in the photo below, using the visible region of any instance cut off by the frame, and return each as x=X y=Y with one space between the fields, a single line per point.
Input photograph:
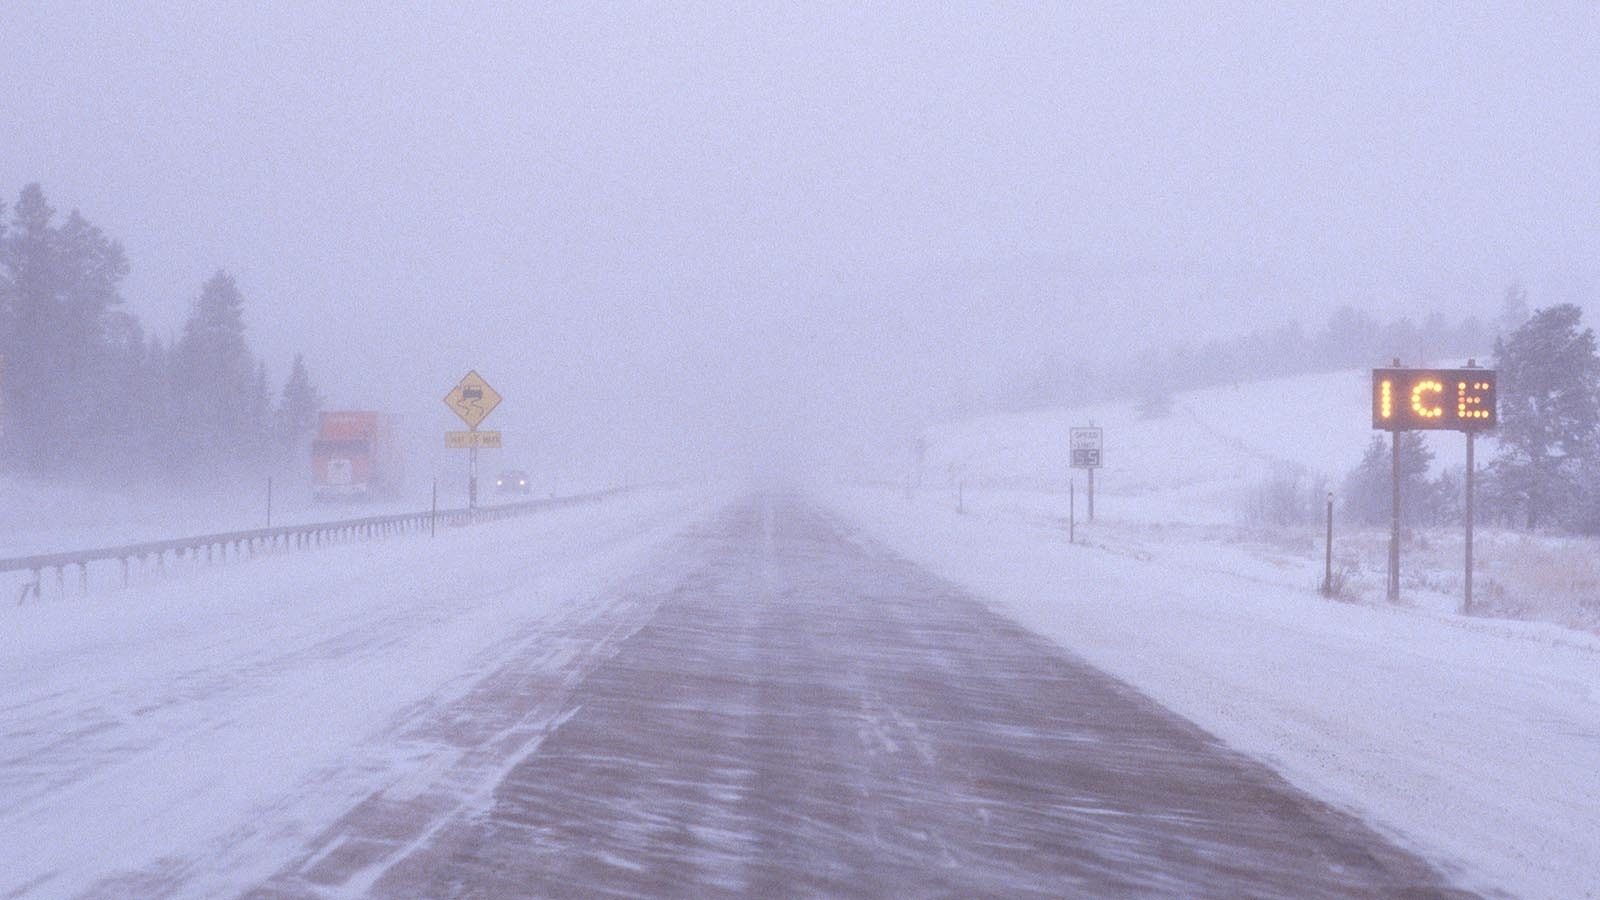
x=801 y=714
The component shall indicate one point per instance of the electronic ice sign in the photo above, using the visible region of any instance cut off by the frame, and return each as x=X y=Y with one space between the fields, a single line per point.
x=1433 y=399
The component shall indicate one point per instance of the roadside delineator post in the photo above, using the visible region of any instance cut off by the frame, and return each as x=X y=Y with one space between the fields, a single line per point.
x=1327 y=560
x=1466 y=601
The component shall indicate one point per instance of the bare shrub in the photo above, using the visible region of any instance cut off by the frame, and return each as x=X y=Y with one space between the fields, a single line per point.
x=1289 y=495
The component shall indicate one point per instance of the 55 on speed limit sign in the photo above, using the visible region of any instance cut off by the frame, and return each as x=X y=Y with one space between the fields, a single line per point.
x=1086 y=447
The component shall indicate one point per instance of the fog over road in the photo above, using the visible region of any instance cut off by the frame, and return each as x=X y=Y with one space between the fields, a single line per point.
x=803 y=714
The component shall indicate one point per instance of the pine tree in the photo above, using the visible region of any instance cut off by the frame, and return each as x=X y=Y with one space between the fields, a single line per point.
x=297 y=409
x=159 y=409
x=1549 y=412
x=61 y=323
x=259 y=434
x=90 y=335
x=215 y=378
x=1351 y=338
x=1369 y=488
x=28 y=256
x=1513 y=309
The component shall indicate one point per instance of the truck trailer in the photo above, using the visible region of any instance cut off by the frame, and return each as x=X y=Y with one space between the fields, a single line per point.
x=356 y=456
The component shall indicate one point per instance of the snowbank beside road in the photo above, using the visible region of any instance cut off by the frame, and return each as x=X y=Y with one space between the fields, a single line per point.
x=1475 y=741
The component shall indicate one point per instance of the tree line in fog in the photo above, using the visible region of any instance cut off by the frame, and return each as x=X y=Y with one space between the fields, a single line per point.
x=1349 y=339
x=85 y=391
x=1540 y=470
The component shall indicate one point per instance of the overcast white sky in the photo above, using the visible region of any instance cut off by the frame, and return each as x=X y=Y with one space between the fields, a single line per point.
x=655 y=226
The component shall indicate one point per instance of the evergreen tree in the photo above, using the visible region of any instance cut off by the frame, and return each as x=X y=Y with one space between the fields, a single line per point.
x=157 y=407
x=124 y=435
x=28 y=256
x=80 y=383
x=1351 y=338
x=90 y=335
x=1369 y=488
x=215 y=382
x=60 y=312
x=297 y=409
x=259 y=434
x=1513 y=309
x=1549 y=411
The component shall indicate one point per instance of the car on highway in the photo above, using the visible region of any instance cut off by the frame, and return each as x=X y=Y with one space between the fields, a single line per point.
x=513 y=481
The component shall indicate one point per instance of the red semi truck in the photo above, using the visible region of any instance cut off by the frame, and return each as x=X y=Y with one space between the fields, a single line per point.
x=356 y=456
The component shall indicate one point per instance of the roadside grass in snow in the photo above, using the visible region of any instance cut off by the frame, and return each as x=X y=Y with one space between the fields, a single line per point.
x=1544 y=578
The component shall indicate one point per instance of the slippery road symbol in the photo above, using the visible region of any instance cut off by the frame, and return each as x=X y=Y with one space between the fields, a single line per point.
x=472 y=399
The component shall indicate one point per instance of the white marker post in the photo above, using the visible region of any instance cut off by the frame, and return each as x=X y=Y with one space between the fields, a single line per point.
x=1087 y=445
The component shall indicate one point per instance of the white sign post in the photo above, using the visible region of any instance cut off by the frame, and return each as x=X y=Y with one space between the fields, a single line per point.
x=1087 y=446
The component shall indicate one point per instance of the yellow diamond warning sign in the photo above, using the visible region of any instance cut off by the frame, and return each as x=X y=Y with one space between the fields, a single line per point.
x=472 y=399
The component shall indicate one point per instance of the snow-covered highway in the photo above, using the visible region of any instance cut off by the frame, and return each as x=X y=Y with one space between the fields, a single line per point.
x=677 y=692
x=802 y=715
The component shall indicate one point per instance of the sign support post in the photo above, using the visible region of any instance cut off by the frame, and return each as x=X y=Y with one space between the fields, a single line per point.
x=1394 y=524
x=1091 y=493
x=1466 y=596
x=1466 y=605
x=1433 y=400
x=1327 y=560
x=1088 y=447
x=1072 y=511
x=472 y=399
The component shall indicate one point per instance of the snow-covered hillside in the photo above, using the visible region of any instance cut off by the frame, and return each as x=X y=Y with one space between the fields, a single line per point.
x=1194 y=482
x=1190 y=465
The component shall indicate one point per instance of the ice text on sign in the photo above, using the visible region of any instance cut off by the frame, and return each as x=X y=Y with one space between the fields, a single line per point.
x=1433 y=399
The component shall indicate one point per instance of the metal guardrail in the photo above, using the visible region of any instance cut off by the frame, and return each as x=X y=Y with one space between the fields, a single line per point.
x=234 y=545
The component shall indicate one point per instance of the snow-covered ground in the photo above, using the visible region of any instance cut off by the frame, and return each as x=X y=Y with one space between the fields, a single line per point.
x=1474 y=739
x=1199 y=475
x=191 y=735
